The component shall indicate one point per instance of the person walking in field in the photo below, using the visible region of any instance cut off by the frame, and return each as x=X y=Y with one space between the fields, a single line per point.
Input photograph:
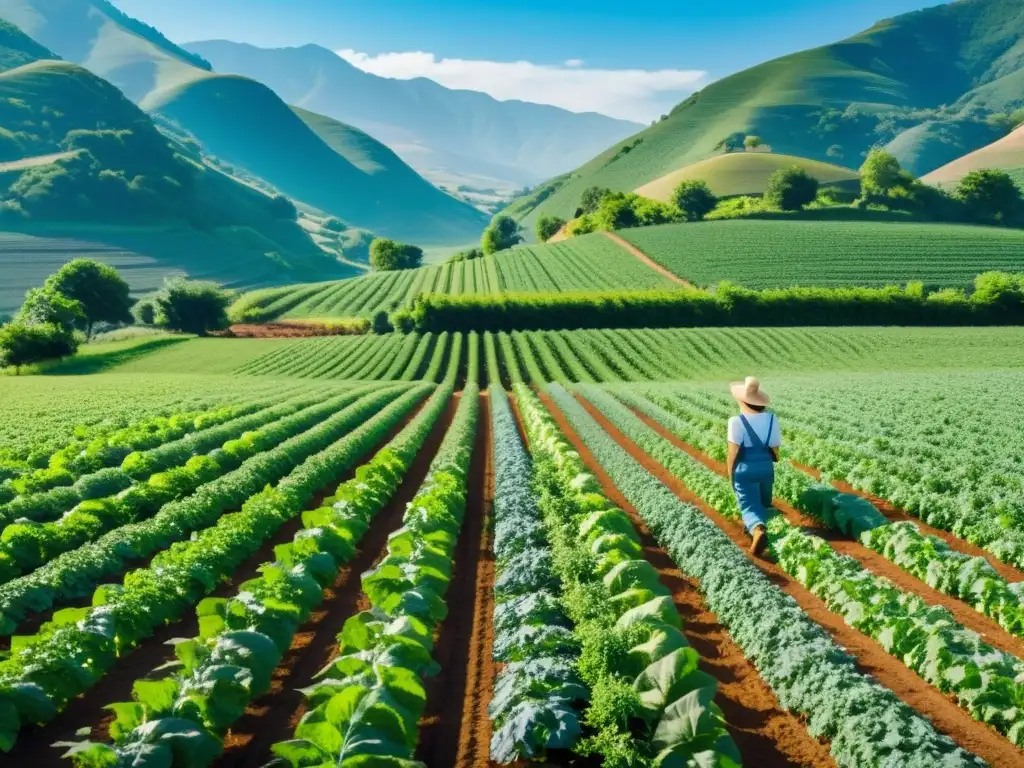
x=754 y=440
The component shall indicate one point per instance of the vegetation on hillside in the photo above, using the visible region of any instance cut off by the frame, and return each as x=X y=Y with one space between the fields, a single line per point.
x=18 y=49
x=388 y=255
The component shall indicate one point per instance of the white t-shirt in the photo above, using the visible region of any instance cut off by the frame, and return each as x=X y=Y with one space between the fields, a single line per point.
x=759 y=423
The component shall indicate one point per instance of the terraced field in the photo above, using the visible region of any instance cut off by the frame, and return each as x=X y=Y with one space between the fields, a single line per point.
x=462 y=549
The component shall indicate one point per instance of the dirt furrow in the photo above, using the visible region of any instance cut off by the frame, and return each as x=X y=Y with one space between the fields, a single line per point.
x=273 y=716
x=455 y=729
x=766 y=734
x=647 y=260
x=945 y=715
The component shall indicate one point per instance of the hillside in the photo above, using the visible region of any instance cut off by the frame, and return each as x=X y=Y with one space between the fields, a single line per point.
x=244 y=123
x=744 y=173
x=132 y=55
x=18 y=49
x=437 y=130
x=1006 y=154
x=923 y=83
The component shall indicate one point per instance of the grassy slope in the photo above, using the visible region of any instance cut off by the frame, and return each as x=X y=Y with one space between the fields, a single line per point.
x=742 y=173
x=961 y=54
x=245 y=123
x=1006 y=154
x=763 y=254
x=137 y=59
x=18 y=49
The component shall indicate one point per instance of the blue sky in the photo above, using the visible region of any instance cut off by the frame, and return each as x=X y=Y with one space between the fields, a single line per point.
x=597 y=37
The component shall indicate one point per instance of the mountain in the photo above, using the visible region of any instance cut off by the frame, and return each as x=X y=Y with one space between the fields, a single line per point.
x=18 y=49
x=1007 y=154
x=925 y=84
x=245 y=124
x=435 y=129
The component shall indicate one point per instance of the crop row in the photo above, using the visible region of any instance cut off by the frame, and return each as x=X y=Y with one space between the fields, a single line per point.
x=79 y=645
x=243 y=638
x=970 y=579
x=537 y=692
x=366 y=705
x=74 y=574
x=865 y=723
x=649 y=702
x=927 y=639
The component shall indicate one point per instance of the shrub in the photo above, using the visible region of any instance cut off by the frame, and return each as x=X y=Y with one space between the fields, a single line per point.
x=192 y=307
x=389 y=255
x=694 y=199
x=145 y=311
x=46 y=306
x=502 y=234
x=22 y=344
x=990 y=195
x=548 y=227
x=790 y=189
x=381 y=323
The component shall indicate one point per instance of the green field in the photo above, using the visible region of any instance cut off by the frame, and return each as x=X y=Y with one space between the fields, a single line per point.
x=589 y=262
x=768 y=254
x=745 y=173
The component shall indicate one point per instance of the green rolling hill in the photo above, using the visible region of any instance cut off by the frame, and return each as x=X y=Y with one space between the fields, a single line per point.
x=244 y=123
x=924 y=84
x=1007 y=154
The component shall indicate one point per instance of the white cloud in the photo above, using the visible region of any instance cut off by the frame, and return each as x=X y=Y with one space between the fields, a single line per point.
x=631 y=94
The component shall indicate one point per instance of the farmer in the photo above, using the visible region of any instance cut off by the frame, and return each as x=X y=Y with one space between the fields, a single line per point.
x=754 y=440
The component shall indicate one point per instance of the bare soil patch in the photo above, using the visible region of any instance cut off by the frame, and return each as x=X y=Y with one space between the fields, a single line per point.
x=647 y=260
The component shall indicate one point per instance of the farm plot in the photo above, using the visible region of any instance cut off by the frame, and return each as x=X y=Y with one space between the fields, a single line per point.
x=770 y=254
x=588 y=263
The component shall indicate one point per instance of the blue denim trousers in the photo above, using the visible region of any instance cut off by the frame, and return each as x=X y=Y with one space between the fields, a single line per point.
x=752 y=484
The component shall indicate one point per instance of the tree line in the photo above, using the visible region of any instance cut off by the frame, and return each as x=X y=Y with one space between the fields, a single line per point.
x=57 y=317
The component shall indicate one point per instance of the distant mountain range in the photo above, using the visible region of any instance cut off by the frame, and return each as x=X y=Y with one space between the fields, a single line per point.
x=930 y=86
x=244 y=123
x=435 y=129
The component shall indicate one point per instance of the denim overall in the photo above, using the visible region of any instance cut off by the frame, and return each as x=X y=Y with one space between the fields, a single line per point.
x=753 y=477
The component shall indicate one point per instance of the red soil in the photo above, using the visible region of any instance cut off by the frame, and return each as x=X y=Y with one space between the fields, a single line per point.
x=273 y=716
x=946 y=716
x=766 y=734
x=455 y=729
x=647 y=260
x=284 y=330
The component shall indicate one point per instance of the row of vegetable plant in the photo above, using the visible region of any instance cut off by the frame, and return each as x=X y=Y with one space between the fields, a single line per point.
x=243 y=638
x=537 y=692
x=866 y=724
x=118 y=496
x=366 y=705
x=80 y=645
x=263 y=454
x=649 y=704
x=984 y=681
x=968 y=578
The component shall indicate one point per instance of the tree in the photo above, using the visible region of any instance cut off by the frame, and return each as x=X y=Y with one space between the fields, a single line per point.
x=752 y=142
x=45 y=306
x=280 y=207
x=990 y=195
x=502 y=234
x=22 y=344
x=591 y=199
x=381 y=323
x=103 y=294
x=881 y=173
x=389 y=255
x=192 y=307
x=790 y=189
x=617 y=211
x=694 y=199
x=548 y=227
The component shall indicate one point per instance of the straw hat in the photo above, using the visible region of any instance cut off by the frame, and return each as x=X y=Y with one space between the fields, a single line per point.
x=749 y=391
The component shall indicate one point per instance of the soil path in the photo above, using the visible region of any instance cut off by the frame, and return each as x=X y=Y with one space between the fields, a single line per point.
x=285 y=330
x=455 y=729
x=896 y=515
x=946 y=716
x=273 y=716
x=766 y=734
x=647 y=260
x=874 y=562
